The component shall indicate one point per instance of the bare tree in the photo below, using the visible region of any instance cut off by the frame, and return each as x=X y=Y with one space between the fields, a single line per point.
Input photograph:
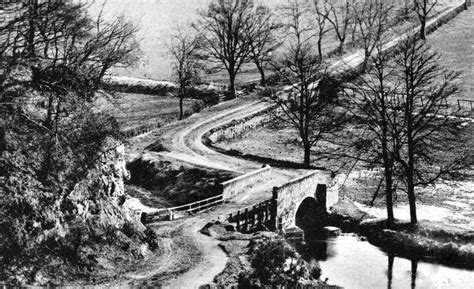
x=372 y=20
x=421 y=134
x=339 y=16
x=407 y=7
x=372 y=105
x=401 y=103
x=62 y=55
x=321 y=27
x=423 y=9
x=187 y=64
x=227 y=28
x=309 y=105
x=264 y=42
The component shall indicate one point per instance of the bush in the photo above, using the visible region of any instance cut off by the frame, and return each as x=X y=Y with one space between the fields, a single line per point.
x=207 y=96
x=276 y=263
x=197 y=106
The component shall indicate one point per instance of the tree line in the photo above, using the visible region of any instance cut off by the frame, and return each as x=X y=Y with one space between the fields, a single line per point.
x=232 y=33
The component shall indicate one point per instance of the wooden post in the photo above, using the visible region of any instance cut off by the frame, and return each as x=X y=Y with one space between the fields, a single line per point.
x=273 y=209
x=246 y=219
x=260 y=214
x=267 y=211
x=459 y=105
x=238 y=221
x=253 y=216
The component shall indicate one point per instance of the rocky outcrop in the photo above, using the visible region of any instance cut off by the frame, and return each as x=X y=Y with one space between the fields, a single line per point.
x=76 y=234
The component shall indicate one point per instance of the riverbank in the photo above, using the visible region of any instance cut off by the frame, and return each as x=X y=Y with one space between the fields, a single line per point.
x=428 y=240
x=260 y=260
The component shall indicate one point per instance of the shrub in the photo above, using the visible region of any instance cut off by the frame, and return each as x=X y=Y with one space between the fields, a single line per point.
x=207 y=96
x=276 y=263
x=197 y=106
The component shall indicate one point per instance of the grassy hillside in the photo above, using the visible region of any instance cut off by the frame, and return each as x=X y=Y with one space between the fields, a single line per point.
x=455 y=41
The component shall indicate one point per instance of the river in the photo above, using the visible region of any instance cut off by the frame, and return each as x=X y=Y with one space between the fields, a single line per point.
x=351 y=262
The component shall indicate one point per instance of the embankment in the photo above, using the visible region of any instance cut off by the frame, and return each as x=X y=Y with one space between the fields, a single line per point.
x=427 y=240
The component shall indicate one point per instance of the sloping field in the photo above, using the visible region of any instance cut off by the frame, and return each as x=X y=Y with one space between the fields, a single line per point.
x=455 y=41
x=139 y=111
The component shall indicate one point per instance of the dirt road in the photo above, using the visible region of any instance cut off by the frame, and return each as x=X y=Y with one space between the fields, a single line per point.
x=190 y=258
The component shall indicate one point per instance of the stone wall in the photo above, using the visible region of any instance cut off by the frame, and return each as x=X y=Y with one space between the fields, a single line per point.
x=237 y=127
x=138 y=85
x=433 y=24
x=291 y=194
x=242 y=183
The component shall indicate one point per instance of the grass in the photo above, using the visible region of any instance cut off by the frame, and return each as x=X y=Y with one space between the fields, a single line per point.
x=445 y=244
x=455 y=42
x=138 y=111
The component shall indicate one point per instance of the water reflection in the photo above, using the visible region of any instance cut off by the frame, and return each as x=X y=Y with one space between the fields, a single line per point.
x=414 y=266
x=391 y=258
x=352 y=262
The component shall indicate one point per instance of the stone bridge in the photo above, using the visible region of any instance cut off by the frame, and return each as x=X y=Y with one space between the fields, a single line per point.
x=303 y=202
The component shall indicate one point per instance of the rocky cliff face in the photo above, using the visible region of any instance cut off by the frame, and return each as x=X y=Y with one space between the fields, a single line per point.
x=87 y=229
x=103 y=186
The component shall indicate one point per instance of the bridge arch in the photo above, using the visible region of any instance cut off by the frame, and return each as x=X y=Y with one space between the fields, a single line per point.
x=310 y=213
x=304 y=198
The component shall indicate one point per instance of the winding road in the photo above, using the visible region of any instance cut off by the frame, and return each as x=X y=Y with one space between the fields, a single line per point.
x=183 y=142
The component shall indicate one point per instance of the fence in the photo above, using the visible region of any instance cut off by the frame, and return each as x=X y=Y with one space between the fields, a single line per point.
x=191 y=208
x=256 y=216
x=470 y=102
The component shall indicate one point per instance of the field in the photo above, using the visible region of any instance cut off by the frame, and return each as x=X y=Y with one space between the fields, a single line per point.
x=156 y=21
x=455 y=41
x=140 y=111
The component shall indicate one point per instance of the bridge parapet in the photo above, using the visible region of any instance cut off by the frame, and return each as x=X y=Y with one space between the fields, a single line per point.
x=242 y=183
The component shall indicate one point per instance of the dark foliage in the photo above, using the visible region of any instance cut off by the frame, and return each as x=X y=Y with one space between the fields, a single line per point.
x=276 y=263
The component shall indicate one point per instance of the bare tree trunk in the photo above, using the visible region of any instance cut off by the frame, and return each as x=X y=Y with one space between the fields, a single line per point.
x=49 y=113
x=181 y=96
x=263 y=81
x=366 y=60
x=307 y=153
x=231 y=85
x=410 y=168
x=340 y=49
x=33 y=15
x=353 y=35
x=320 y=49
x=423 y=28
x=411 y=193
x=387 y=159
x=389 y=197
